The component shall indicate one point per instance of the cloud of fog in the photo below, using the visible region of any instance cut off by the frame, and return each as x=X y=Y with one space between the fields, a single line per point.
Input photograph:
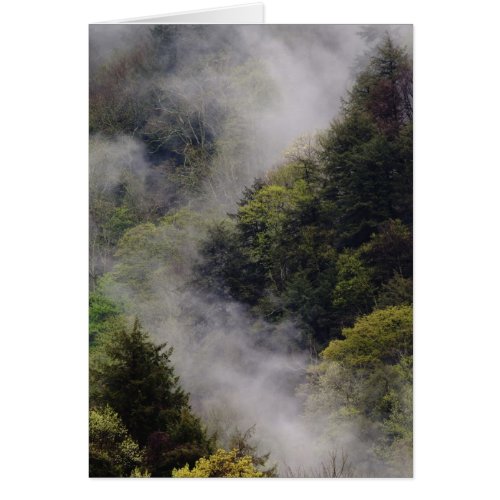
x=272 y=83
x=239 y=371
x=112 y=161
x=106 y=40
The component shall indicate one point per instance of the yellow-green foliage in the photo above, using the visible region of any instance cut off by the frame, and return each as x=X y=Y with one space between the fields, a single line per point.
x=286 y=175
x=265 y=217
x=139 y=472
x=221 y=464
x=364 y=386
x=148 y=252
x=113 y=453
x=383 y=336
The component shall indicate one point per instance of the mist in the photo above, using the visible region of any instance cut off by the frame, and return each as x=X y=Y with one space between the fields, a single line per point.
x=275 y=84
x=302 y=74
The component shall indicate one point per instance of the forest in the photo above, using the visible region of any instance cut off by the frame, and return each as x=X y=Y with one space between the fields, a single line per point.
x=250 y=251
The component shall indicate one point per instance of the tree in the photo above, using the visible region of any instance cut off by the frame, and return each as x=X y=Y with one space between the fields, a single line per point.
x=261 y=223
x=104 y=315
x=112 y=452
x=385 y=88
x=367 y=152
x=389 y=251
x=362 y=390
x=221 y=464
x=148 y=254
x=382 y=337
x=120 y=99
x=135 y=378
x=354 y=291
x=396 y=292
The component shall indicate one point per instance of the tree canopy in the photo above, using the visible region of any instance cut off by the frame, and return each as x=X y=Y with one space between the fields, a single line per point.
x=221 y=464
x=197 y=234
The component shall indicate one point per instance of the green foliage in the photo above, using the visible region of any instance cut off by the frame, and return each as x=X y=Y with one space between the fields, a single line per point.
x=353 y=292
x=389 y=251
x=397 y=291
x=324 y=235
x=368 y=152
x=396 y=445
x=221 y=464
x=287 y=253
x=119 y=221
x=363 y=388
x=113 y=453
x=118 y=198
x=323 y=239
x=225 y=268
x=262 y=222
x=364 y=175
x=148 y=252
x=308 y=296
x=383 y=336
x=104 y=315
x=140 y=472
x=135 y=378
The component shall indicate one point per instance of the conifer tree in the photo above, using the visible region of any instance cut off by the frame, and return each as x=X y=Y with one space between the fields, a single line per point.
x=136 y=379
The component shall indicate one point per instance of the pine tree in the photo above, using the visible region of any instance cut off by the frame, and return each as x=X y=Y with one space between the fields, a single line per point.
x=136 y=379
x=368 y=151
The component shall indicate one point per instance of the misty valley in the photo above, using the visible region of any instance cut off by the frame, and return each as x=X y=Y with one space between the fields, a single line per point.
x=250 y=251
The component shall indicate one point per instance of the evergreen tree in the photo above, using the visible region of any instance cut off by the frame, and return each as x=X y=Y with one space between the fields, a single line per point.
x=136 y=379
x=368 y=151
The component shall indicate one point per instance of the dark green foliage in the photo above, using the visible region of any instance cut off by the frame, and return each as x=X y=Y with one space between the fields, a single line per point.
x=361 y=191
x=224 y=267
x=281 y=259
x=397 y=291
x=322 y=237
x=135 y=378
x=185 y=443
x=308 y=295
x=389 y=251
x=368 y=152
x=369 y=179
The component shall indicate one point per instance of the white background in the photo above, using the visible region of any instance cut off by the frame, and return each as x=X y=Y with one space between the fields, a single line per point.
x=43 y=115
